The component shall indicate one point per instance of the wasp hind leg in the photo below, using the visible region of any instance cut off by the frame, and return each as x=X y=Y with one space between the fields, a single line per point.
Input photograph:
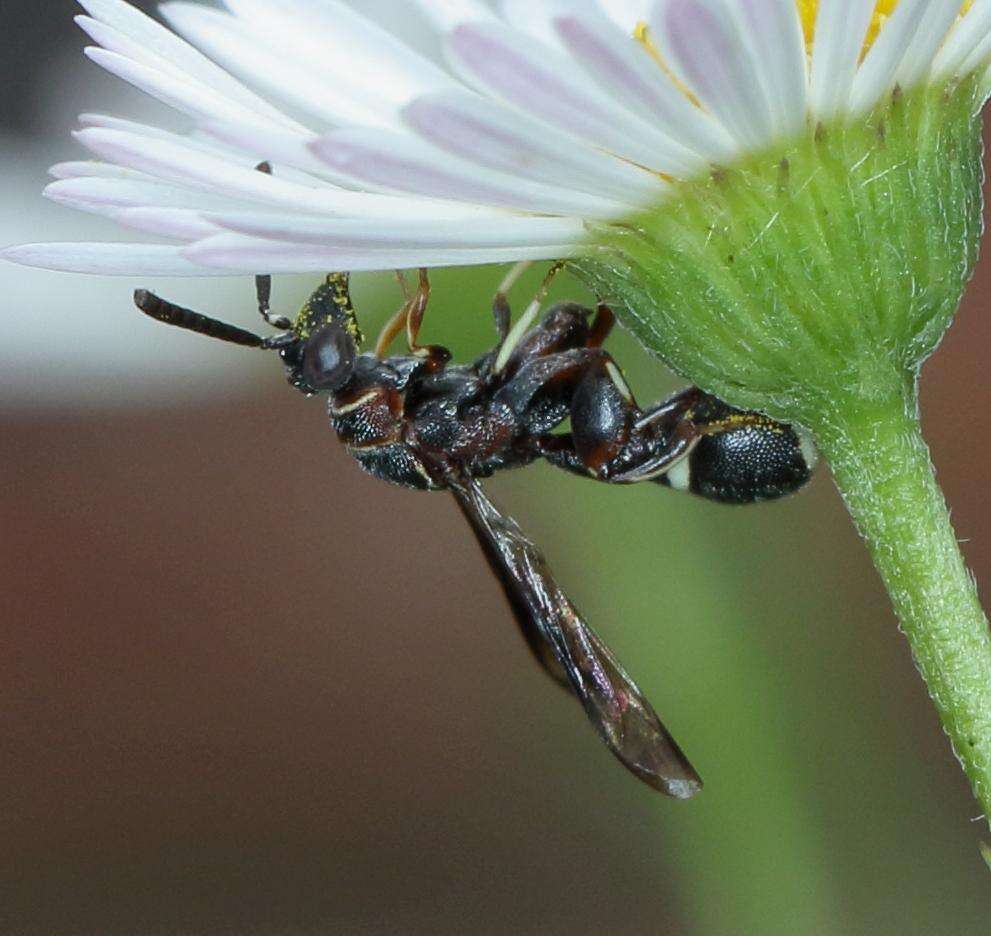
x=500 y=302
x=513 y=335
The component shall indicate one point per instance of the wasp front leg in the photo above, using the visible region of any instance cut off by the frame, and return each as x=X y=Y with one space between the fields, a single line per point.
x=410 y=318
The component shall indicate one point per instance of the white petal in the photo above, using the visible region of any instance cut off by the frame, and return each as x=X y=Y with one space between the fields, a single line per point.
x=154 y=135
x=196 y=100
x=379 y=233
x=179 y=164
x=184 y=224
x=91 y=168
x=544 y=83
x=486 y=132
x=904 y=49
x=407 y=164
x=243 y=144
x=918 y=59
x=841 y=26
x=623 y=68
x=281 y=71
x=336 y=41
x=966 y=39
x=110 y=259
x=626 y=14
x=166 y=45
x=280 y=149
x=775 y=32
x=108 y=195
x=446 y=14
x=536 y=17
x=708 y=49
x=233 y=251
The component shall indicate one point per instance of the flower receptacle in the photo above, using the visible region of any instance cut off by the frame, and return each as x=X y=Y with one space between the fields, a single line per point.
x=814 y=271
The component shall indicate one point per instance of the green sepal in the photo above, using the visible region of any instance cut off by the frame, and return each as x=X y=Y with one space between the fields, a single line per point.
x=802 y=272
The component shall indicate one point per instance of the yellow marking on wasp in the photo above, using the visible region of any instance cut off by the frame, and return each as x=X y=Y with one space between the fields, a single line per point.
x=617 y=378
x=422 y=472
x=368 y=448
x=357 y=404
x=808 y=448
x=680 y=475
x=740 y=421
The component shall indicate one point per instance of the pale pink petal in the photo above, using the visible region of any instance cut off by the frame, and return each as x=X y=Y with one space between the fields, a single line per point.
x=623 y=69
x=708 y=50
x=177 y=164
x=545 y=84
x=407 y=164
x=234 y=251
x=104 y=195
x=409 y=234
x=183 y=224
x=111 y=259
x=493 y=135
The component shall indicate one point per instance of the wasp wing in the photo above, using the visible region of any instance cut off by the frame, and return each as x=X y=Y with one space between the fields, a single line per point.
x=572 y=652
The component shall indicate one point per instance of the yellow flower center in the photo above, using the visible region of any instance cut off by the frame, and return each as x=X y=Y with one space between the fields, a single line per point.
x=807 y=11
x=882 y=10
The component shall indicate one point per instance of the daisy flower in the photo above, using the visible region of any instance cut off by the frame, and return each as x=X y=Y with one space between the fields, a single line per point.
x=535 y=121
x=782 y=198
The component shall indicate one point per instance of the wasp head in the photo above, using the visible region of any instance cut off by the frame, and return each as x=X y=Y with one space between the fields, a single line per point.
x=321 y=349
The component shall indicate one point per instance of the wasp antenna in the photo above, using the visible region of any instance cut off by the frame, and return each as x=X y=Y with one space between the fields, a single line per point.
x=171 y=314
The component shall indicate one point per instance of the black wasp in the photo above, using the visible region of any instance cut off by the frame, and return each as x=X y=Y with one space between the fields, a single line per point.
x=420 y=421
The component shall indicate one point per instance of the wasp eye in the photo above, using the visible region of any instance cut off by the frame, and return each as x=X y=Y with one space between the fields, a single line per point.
x=328 y=358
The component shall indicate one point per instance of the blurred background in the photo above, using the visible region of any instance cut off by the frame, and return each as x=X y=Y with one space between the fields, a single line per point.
x=246 y=689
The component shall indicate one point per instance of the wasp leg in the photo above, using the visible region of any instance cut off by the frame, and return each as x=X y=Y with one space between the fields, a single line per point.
x=500 y=302
x=513 y=336
x=602 y=325
x=541 y=391
x=560 y=451
x=611 y=438
x=395 y=325
x=435 y=355
x=263 y=282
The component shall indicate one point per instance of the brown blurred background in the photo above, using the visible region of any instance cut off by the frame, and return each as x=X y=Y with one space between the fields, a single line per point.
x=245 y=689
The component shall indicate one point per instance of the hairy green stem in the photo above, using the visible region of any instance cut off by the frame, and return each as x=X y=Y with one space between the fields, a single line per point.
x=883 y=470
